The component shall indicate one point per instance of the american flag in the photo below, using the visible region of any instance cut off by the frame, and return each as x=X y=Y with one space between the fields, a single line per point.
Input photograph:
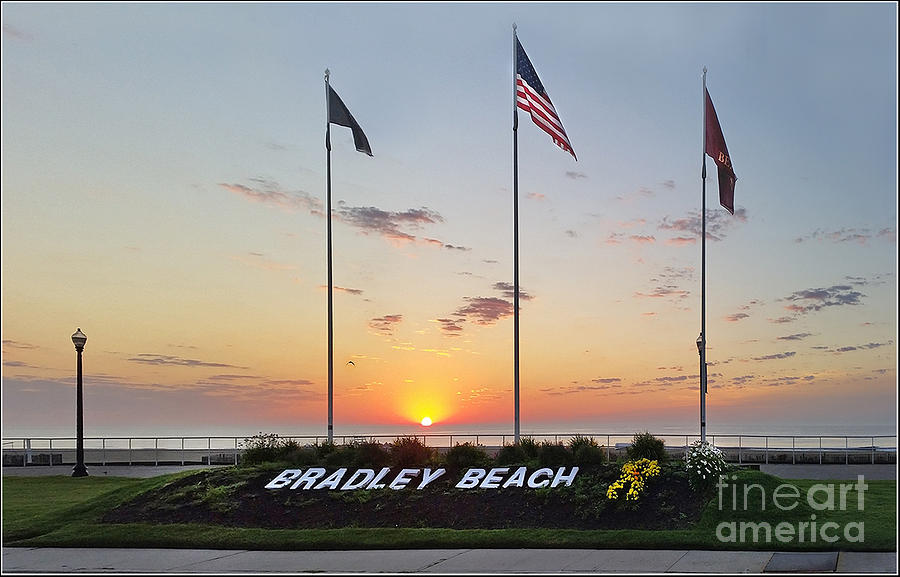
x=531 y=96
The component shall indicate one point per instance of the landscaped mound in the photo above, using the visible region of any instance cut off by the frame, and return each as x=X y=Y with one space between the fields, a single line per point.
x=652 y=496
x=237 y=496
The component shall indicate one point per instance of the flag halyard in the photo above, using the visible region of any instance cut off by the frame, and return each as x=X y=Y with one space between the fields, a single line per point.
x=533 y=98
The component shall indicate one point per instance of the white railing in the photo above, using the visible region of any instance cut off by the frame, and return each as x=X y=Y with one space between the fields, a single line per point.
x=224 y=450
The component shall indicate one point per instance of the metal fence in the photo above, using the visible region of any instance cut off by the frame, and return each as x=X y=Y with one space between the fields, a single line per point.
x=219 y=450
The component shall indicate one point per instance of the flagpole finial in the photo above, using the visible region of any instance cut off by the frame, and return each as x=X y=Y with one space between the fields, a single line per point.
x=704 y=70
x=327 y=74
x=514 y=26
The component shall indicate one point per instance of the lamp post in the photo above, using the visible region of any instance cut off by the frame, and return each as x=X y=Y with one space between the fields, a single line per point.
x=701 y=348
x=80 y=470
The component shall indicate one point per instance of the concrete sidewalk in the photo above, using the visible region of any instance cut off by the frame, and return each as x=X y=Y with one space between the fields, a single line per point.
x=439 y=561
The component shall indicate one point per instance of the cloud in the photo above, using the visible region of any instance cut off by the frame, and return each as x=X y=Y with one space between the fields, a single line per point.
x=851 y=348
x=844 y=235
x=571 y=233
x=718 y=223
x=742 y=380
x=11 y=32
x=232 y=378
x=394 y=226
x=643 y=239
x=736 y=317
x=875 y=280
x=268 y=192
x=169 y=360
x=815 y=299
x=795 y=337
x=775 y=356
x=508 y=290
x=450 y=327
x=574 y=175
x=385 y=324
x=670 y=184
x=10 y=344
x=632 y=223
x=665 y=292
x=350 y=291
x=260 y=261
x=670 y=272
x=386 y=223
x=676 y=379
x=459 y=248
x=782 y=320
x=601 y=385
x=18 y=365
x=535 y=196
x=476 y=396
x=681 y=241
x=485 y=310
x=889 y=234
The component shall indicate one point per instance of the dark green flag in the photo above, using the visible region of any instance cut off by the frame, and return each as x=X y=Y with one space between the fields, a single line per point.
x=338 y=114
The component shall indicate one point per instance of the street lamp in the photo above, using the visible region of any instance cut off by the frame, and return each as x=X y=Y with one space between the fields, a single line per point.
x=80 y=470
x=701 y=348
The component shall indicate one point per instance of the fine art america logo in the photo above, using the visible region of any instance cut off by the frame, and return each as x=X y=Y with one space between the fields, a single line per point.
x=499 y=477
x=820 y=497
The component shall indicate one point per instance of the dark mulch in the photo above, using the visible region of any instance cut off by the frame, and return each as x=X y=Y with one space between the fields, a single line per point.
x=238 y=497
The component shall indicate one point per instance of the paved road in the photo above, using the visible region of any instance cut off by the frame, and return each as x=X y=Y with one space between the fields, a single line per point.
x=832 y=472
x=139 y=471
x=452 y=561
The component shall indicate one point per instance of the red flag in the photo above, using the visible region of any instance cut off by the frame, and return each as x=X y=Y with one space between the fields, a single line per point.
x=715 y=147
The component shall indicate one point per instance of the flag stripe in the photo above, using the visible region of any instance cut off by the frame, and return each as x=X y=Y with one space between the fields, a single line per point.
x=546 y=120
x=533 y=98
x=532 y=102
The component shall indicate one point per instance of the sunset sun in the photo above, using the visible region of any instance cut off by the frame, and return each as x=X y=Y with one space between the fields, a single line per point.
x=426 y=421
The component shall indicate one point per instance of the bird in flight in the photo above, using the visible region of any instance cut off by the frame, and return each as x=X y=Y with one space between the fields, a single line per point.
x=351 y=363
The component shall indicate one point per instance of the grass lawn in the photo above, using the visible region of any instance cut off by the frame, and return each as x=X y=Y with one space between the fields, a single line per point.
x=65 y=512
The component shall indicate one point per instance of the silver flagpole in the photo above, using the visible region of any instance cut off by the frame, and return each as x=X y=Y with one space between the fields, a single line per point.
x=330 y=286
x=515 y=243
x=701 y=342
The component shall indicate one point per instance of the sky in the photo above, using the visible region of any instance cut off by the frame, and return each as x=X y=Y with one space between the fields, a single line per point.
x=164 y=184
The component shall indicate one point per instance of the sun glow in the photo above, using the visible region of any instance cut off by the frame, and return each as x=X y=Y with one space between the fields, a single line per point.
x=426 y=421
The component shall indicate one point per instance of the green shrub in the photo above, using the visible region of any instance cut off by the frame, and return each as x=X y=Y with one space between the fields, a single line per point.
x=511 y=455
x=579 y=441
x=261 y=448
x=530 y=447
x=589 y=455
x=466 y=455
x=646 y=446
x=295 y=454
x=409 y=452
x=371 y=454
x=341 y=456
x=554 y=455
x=325 y=449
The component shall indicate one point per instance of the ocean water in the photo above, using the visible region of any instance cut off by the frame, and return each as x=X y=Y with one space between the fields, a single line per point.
x=462 y=433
